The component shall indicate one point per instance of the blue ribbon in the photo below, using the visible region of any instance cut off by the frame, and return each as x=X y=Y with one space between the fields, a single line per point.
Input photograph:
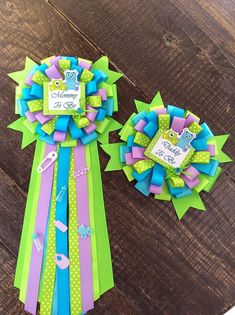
x=62 y=275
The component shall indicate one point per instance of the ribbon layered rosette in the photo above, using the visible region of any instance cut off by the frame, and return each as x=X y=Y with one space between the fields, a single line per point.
x=169 y=153
x=66 y=104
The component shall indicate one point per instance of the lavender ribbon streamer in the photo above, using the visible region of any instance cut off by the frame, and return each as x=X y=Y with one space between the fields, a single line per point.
x=40 y=229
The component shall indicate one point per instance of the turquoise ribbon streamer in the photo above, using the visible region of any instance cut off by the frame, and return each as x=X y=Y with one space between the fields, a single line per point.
x=62 y=275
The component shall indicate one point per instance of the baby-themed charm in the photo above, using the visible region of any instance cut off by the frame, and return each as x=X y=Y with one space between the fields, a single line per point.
x=66 y=106
x=62 y=261
x=169 y=154
x=84 y=231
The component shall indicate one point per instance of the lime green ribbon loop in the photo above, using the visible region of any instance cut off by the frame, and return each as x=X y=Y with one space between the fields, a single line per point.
x=173 y=175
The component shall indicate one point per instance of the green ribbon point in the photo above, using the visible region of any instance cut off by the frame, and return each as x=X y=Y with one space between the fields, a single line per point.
x=219 y=142
x=156 y=102
x=21 y=75
x=113 y=150
x=141 y=106
x=28 y=137
x=103 y=64
x=112 y=126
x=183 y=204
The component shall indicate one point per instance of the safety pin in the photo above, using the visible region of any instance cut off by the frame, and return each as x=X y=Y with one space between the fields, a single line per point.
x=52 y=156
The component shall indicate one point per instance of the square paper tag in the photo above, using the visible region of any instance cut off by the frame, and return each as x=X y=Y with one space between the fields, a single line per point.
x=170 y=149
x=59 y=100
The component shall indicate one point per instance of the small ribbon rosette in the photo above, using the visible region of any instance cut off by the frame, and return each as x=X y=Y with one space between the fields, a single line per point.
x=169 y=153
x=66 y=104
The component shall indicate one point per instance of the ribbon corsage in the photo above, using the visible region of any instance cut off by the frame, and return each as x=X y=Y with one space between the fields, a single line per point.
x=169 y=153
x=65 y=104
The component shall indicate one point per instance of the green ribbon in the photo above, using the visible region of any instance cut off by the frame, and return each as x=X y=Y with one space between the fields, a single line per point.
x=32 y=198
x=22 y=75
x=103 y=64
x=165 y=194
x=156 y=102
x=95 y=270
x=28 y=136
x=23 y=261
x=173 y=175
x=75 y=286
x=50 y=266
x=102 y=239
x=112 y=125
x=201 y=157
x=219 y=142
x=113 y=150
x=143 y=165
x=183 y=204
x=142 y=139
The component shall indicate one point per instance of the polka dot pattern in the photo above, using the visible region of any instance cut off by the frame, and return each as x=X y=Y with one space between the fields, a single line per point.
x=143 y=165
x=164 y=121
x=45 y=89
x=94 y=101
x=75 y=285
x=50 y=266
x=86 y=76
x=141 y=139
x=50 y=126
x=202 y=157
x=35 y=105
x=81 y=122
x=176 y=181
x=40 y=78
x=64 y=65
x=195 y=128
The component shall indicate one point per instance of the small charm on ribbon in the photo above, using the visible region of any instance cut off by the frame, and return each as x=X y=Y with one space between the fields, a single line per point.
x=62 y=261
x=49 y=159
x=61 y=194
x=84 y=231
x=61 y=226
x=169 y=154
x=37 y=242
x=80 y=172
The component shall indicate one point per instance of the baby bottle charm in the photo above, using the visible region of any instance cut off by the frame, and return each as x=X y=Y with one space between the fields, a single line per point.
x=62 y=261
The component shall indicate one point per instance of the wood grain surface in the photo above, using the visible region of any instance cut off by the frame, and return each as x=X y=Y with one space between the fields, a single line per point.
x=186 y=50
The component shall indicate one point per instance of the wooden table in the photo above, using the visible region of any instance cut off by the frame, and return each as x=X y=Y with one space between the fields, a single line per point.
x=186 y=50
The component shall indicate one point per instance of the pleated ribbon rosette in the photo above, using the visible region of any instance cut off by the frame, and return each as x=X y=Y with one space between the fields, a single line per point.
x=169 y=153
x=66 y=105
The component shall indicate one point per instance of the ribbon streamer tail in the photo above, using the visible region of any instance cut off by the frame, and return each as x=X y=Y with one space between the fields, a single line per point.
x=39 y=232
x=83 y=218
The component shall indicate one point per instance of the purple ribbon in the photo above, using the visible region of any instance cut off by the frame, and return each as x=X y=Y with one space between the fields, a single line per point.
x=39 y=230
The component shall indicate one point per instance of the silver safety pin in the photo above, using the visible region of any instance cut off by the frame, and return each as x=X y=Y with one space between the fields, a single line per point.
x=52 y=156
